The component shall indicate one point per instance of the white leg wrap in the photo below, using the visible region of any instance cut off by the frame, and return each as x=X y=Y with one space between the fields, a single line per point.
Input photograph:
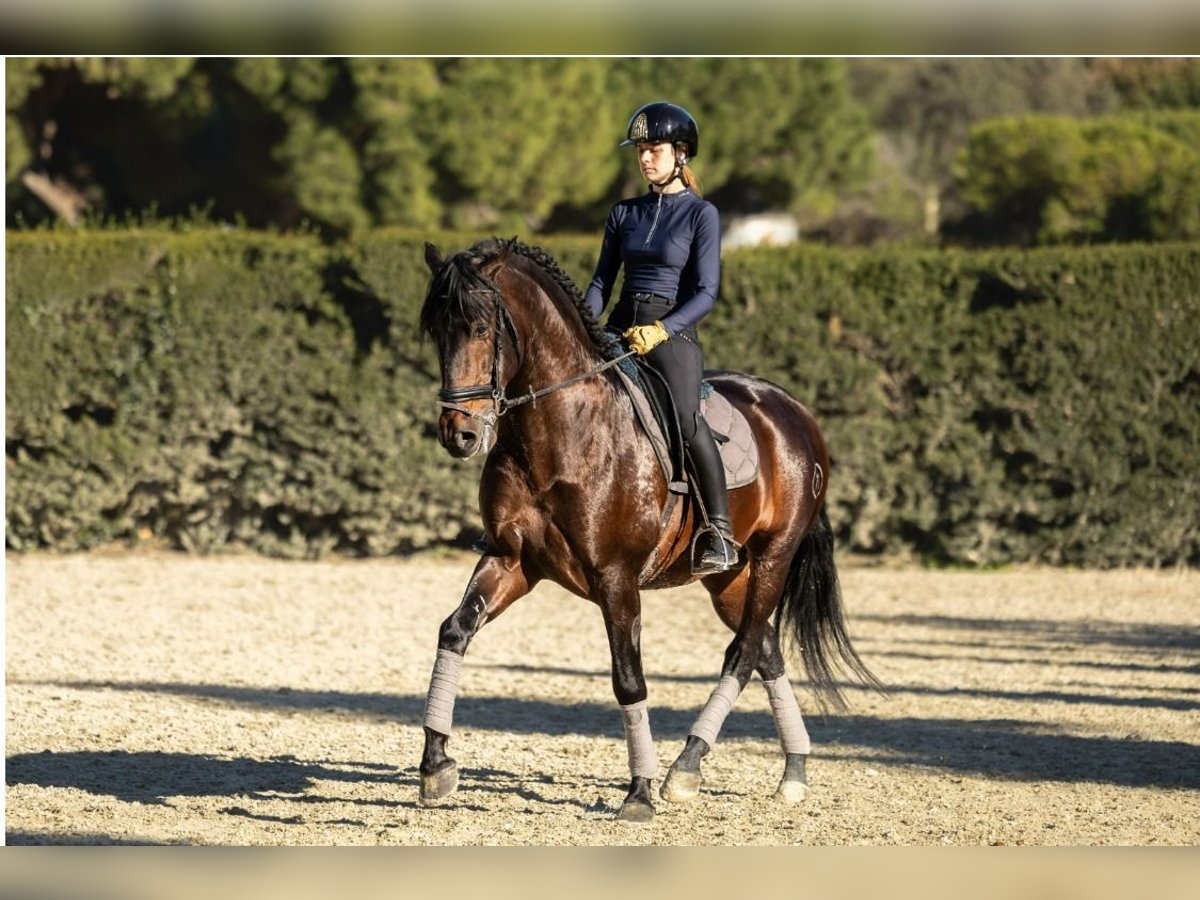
x=788 y=721
x=720 y=702
x=443 y=688
x=643 y=759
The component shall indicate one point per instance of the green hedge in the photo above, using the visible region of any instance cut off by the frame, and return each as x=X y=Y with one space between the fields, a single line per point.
x=217 y=387
x=992 y=407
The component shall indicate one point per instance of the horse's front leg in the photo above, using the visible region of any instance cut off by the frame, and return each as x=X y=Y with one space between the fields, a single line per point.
x=621 y=605
x=497 y=582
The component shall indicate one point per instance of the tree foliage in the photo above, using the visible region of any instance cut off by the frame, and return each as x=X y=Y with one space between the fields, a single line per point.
x=529 y=144
x=476 y=142
x=1039 y=180
x=1163 y=83
x=774 y=133
x=928 y=106
x=524 y=136
x=924 y=109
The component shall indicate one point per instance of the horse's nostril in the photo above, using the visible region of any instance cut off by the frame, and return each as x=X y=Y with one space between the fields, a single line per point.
x=465 y=439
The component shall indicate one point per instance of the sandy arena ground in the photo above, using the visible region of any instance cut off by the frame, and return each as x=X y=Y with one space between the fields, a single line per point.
x=160 y=698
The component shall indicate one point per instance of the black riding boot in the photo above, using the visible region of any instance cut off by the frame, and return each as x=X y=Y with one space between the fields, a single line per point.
x=714 y=550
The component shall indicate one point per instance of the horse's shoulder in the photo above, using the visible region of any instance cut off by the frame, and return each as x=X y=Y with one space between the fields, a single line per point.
x=503 y=470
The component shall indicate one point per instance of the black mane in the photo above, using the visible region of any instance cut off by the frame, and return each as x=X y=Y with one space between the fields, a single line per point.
x=459 y=295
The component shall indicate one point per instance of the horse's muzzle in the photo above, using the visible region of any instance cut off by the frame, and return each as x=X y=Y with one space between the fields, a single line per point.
x=463 y=436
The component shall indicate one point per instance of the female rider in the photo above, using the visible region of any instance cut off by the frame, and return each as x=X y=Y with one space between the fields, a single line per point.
x=669 y=240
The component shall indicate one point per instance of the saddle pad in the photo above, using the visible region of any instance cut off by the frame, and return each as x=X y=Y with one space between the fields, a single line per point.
x=739 y=451
x=735 y=440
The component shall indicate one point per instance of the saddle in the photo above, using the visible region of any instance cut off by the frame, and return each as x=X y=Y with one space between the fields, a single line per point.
x=735 y=440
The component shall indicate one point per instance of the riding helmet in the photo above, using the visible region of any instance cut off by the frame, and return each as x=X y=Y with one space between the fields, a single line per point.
x=661 y=121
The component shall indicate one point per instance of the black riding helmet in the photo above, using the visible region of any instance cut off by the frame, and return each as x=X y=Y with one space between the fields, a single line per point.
x=661 y=121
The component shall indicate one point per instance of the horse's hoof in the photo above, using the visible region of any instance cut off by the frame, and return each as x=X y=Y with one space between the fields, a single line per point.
x=680 y=786
x=791 y=792
x=637 y=811
x=439 y=785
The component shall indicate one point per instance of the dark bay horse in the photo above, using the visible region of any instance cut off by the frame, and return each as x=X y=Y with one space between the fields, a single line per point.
x=572 y=491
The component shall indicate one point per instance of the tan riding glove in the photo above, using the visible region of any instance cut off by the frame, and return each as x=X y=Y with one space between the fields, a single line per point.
x=644 y=338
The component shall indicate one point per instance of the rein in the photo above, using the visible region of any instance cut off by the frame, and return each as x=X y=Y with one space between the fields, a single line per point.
x=454 y=398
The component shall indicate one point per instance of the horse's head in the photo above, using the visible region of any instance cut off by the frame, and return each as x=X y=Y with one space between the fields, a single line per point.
x=500 y=312
x=465 y=314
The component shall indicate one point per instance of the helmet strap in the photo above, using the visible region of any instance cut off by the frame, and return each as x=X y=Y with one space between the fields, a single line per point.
x=662 y=184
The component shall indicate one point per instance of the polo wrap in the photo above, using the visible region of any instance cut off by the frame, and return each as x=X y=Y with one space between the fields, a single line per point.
x=443 y=688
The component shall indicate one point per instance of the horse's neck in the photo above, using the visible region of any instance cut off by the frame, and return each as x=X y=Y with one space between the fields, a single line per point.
x=556 y=348
x=555 y=344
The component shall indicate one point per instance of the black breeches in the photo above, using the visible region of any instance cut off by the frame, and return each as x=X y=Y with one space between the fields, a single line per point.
x=679 y=360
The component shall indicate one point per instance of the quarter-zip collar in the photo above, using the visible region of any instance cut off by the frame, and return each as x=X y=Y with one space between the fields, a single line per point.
x=670 y=198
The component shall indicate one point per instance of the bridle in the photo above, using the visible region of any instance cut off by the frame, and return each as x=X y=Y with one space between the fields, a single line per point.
x=454 y=398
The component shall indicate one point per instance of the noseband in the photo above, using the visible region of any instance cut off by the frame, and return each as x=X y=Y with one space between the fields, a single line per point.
x=454 y=398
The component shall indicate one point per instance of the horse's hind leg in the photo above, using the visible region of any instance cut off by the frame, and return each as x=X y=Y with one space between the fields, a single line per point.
x=684 y=778
x=793 y=736
x=740 y=606
x=497 y=582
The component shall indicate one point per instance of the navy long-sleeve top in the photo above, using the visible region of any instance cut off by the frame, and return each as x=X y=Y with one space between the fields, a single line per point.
x=670 y=245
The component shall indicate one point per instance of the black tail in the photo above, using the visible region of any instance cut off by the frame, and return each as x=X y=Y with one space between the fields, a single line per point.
x=810 y=611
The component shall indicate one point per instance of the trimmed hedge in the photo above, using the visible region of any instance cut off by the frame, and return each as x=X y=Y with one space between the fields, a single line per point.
x=217 y=387
x=993 y=407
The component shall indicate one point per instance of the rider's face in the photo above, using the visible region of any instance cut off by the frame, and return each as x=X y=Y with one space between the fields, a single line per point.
x=656 y=161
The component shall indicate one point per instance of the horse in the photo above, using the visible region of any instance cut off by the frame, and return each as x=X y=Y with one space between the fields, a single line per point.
x=572 y=491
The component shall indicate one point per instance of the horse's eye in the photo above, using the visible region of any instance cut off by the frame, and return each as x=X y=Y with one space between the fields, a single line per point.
x=479 y=332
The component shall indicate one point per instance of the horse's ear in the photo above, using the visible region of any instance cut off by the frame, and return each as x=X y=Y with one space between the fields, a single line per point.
x=433 y=257
x=506 y=248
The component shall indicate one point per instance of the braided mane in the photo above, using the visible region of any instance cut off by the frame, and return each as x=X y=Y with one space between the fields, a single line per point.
x=604 y=341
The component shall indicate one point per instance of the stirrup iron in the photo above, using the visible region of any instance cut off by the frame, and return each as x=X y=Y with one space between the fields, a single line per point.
x=729 y=547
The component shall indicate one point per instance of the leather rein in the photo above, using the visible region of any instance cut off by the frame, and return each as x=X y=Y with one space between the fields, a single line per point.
x=454 y=398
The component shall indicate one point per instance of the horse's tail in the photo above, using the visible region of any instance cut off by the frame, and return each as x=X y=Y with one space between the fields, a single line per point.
x=810 y=612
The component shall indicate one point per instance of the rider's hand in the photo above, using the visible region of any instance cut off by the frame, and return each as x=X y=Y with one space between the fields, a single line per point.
x=644 y=338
